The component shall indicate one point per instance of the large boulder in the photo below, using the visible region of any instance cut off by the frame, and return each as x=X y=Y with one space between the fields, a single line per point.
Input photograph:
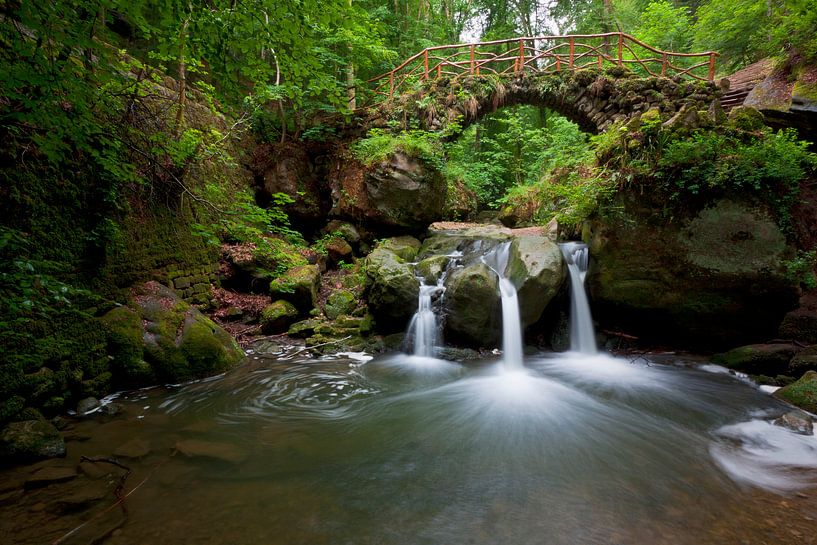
x=758 y=359
x=472 y=306
x=401 y=192
x=801 y=323
x=392 y=289
x=714 y=278
x=277 y=317
x=537 y=269
x=175 y=342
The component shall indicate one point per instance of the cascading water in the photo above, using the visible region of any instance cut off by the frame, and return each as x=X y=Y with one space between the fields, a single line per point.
x=423 y=334
x=497 y=260
x=582 y=336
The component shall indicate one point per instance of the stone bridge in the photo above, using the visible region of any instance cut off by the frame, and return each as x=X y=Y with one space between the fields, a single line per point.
x=593 y=80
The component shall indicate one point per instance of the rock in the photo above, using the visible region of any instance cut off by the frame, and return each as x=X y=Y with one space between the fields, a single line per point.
x=50 y=475
x=451 y=353
x=392 y=289
x=710 y=279
x=431 y=268
x=338 y=250
x=299 y=286
x=405 y=247
x=93 y=471
x=758 y=359
x=80 y=500
x=801 y=323
x=123 y=328
x=287 y=168
x=746 y=118
x=537 y=269
x=687 y=118
x=802 y=393
x=346 y=231
x=135 y=448
x=402 y=191
x=797 y=421
x=338 y=303
x=804 y=360
x=472 y=306
x=179 y=342
x=110 y=409
x=87 y=405
x=30 y=440
x=277 y=317
x=223 y=452
x=304 y=328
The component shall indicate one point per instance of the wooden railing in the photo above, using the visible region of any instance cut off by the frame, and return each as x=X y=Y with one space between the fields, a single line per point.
x=543 y=54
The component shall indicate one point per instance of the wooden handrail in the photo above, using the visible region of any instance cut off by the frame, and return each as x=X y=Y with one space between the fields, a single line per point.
x=524 y=57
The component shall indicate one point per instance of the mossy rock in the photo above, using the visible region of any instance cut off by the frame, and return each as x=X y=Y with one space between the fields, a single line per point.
x=304 y=328
x=537 y=269
x=30 y=440
x=299 y=286
x=802 y=393
x=406 y=247
x=431 y=268
x=277 y=317
x=746 y=118
x=392 y=289
x=123 y=327
x=759 y=359
x=472 y=305
x=805 y=360
x=338 y=303
x=207 y=348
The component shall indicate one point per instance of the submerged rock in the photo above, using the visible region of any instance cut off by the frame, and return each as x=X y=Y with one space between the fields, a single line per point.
x=223 y=452
x=135 y=448
x=802 y=393
x=30 y=440
x=50 y=475
x=87 y=405
x=797 y=421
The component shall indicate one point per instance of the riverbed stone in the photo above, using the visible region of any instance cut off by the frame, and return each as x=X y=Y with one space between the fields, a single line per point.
x=135 y=448
x=50 y=475
x=87 y=405
x=431 y=268
x=30 y=440
x=802 y=393
x=758 y=359
x=392 y=289
x=277 y=317
x=222 y=452
x=339 y=303
x=797 y=421
x=406 y=247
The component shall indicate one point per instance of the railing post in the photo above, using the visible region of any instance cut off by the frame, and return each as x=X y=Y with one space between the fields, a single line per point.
x=711 y=66
x=598 y=59
x=440 y=70
x=558 y=64
x=521 y=61
x=664 y=64
x=620 y=49
x=425 y=64
x=472 y=59
x=572 y=47
x=391 y=84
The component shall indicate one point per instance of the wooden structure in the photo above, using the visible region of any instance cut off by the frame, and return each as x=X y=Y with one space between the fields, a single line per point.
x=543 y=54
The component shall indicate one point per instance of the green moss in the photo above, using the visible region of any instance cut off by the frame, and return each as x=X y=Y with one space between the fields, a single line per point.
x=207 y=348
x=298 y=285
x=746 y=118
x=802 y=393
x=276 y=317
x=125 y=346
x=340 y=302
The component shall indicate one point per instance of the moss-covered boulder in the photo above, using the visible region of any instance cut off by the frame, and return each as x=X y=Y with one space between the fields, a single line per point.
x=712 y=278
x=804 y=360
x=179 y=342
x=299 y=286
x=472 y=306
x=405 y=247
x=537 y=269
x=802 y=393
x=392 y=289
x=801 y=323
x=758 y=359
x=304 y=328
x=123 y=328
x=339 y=303
x=277 y=317
x=29 y=441
x=431 y=268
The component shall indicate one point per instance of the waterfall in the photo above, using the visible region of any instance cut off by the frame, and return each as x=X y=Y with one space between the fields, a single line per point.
x=497 y=260
x=422 y=337
x=582 y=336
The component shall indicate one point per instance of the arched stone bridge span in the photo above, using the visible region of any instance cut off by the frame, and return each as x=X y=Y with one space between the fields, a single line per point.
x=593 y=80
